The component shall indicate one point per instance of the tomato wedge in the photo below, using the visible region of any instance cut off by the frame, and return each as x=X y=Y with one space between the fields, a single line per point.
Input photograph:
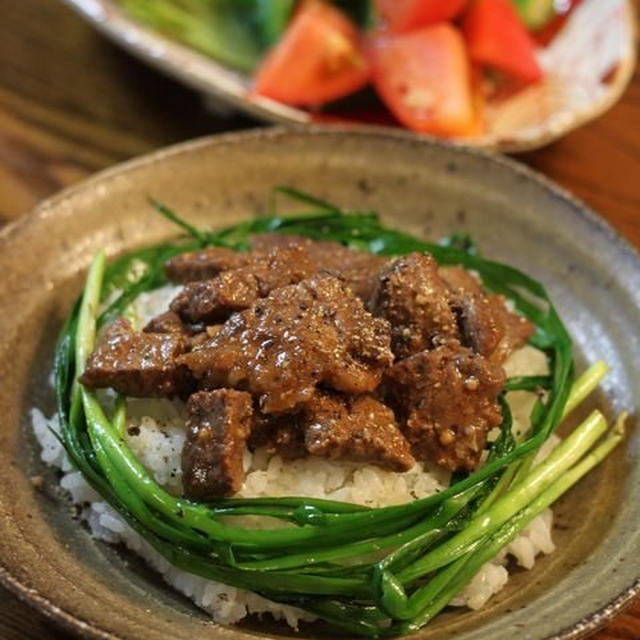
x=404 y=15
x=320 y=58
x=424 y=78
x=496 y=37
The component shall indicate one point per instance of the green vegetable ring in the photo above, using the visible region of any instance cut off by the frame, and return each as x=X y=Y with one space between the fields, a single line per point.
x=371 y=572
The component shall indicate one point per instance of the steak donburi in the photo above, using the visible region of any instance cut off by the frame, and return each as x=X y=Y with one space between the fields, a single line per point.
x=303 y=348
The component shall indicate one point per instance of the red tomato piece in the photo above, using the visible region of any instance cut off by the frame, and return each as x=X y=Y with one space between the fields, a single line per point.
x=424 y=79
x=404 y=15
x=320 y=58
x=496 y=37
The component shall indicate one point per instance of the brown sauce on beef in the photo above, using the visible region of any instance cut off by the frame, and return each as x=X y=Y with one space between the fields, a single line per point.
x=238 y=288
x=139 y=364
x=300 y=336
x=358 y=428
x=218 y=425
x=311 y=348
x=415 y=300
x=447 y=400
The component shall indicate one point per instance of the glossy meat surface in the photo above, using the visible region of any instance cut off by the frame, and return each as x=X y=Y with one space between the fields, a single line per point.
x=204 y=264
x=336 y=426
x=479 y=315
x=447 y=398
x=315 y=332
x=218 y=425
x=412 y=296
x=486 y=324
x=215 y=300
x=358 y=269
x=360 y=429
x=280 y=434
x=168 y=322
x=138 y=364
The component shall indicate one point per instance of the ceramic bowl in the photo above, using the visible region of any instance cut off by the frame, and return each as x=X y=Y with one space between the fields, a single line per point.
x=430 y=189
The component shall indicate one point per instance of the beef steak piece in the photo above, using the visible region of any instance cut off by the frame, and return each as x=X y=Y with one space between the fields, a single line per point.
x=204 y=264
x=138 y=364
x=358 y=269
x=218 y=425
x=168 y=322
x=486 y=324
x=412 y=296
x=338 y=427
x=448 y=399
x=280 y=434
x=300 y=336
x=213 y=301
x=360 y=429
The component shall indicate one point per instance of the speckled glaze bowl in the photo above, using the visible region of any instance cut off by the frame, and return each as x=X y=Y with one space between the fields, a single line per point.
x=48 y=558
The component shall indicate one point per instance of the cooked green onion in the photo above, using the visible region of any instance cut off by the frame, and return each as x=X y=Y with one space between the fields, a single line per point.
x=585 y=385
x=372 y=572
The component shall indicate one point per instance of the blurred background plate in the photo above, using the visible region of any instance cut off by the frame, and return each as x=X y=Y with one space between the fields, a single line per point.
x=587 y=68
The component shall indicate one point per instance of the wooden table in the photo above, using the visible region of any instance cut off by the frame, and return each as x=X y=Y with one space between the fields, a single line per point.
x=71 y=104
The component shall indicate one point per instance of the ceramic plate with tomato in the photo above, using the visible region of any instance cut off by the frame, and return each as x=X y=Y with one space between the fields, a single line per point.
x=502 y=74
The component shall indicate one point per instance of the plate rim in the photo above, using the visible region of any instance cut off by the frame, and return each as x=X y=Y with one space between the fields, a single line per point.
x=581 y=628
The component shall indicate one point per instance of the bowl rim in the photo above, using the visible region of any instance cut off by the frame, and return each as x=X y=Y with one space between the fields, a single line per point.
x=68 y=621
x=213 y=78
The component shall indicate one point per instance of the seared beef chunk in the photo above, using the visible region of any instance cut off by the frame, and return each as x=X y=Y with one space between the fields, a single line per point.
x=168 y=322
x=281 y=434
x=479 y=315
x=204 y=264
x=415 y=300
x=359 y=428
x=448 y=399
x=358 y=269
x=485 y=323
x=198 y=339
x=287 y=347
x=138 y=364
x=215 y=300
x=458 y=278
x=335 y=426
x=517 y=331
x=218 y=426
x=314 y=332
x=480 y=323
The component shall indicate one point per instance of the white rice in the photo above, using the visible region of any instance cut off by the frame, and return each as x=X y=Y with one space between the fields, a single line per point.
x=155 y=432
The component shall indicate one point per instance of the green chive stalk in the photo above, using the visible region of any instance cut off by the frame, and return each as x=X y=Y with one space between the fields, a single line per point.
x=458 y=575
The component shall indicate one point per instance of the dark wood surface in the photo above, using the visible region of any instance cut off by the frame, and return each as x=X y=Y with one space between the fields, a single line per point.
x=71 y=103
